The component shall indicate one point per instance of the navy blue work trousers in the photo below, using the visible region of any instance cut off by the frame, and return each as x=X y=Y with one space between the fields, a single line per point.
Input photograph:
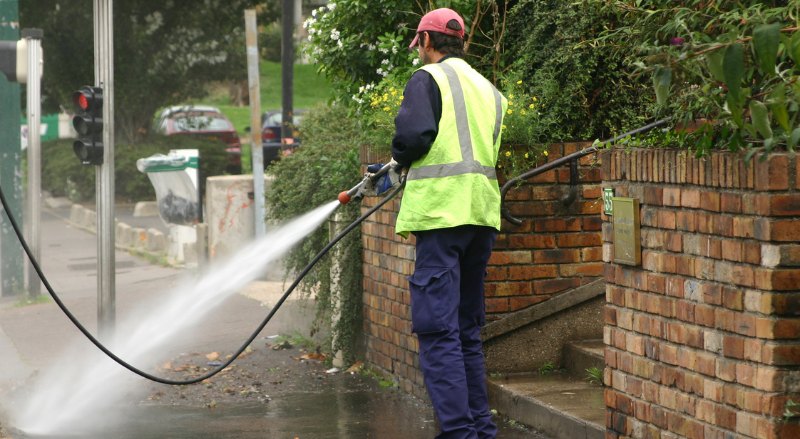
x=447 y=313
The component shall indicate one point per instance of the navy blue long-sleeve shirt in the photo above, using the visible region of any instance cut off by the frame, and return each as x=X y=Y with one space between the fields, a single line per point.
x=417 y=122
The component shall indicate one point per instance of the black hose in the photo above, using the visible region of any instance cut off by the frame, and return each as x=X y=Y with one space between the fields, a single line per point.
x=241 y=349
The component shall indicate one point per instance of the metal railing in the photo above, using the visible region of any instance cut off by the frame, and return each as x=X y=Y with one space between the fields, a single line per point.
x=572 y=160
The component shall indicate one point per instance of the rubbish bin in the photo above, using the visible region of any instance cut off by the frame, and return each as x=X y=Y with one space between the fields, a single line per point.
x=175 y=179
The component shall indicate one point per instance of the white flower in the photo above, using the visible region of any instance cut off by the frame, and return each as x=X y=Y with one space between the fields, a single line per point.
x=394 y=49
x=415 y=62
x=385 y=61
x=340 y=44
x=314 y=13
x=379 y=71
x=332 y=6
x=371 y=47
x=334 y=34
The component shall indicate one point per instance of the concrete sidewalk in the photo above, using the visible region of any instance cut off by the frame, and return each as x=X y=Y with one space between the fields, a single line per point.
x=32 y=336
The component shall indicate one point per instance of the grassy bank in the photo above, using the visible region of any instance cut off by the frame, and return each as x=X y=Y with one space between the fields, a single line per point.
x=310 y=89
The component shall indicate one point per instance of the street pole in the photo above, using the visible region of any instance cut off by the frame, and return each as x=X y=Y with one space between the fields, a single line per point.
x=33 y=38
x=12 y=272
x=104 y=77
x=256 y=150
x=287 y=67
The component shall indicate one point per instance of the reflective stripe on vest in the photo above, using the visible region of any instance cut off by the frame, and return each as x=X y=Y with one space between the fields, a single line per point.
x=468 y=164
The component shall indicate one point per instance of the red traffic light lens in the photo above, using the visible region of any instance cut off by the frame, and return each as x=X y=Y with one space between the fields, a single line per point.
x=81 y=101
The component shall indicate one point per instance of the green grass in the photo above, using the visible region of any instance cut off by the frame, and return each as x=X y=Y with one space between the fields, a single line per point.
x=547 y=368
x=594 y=375
x=310 y=89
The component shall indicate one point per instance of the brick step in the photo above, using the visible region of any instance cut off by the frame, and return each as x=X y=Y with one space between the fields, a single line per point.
x=559 y=406
x=581 y=355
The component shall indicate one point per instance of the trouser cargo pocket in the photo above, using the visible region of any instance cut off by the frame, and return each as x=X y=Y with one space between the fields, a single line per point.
x=431 y=299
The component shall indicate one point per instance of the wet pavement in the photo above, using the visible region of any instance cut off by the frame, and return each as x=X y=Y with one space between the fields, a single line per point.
x=268 y=394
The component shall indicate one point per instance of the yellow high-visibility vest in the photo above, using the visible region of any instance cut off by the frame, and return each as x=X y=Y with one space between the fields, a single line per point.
x=455 y=184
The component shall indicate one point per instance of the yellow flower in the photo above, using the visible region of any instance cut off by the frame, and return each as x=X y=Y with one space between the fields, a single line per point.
x=504 y=126
x=534 y=99
x=531 y=106
x=545 y=153
x=387 y=109
x=523 y=112
x=508 y=153
x=519 y=82
x=526 y=155
x=510 y=97
x=510 y=111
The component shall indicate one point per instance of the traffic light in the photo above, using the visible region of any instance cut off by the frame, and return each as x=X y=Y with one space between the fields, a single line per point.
x=88 y=122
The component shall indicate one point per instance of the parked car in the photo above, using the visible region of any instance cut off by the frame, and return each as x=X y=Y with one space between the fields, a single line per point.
x=205 y=121
x=271 y=142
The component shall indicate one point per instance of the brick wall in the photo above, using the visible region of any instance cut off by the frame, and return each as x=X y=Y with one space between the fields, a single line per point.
x=702 y=338
x=557 y=248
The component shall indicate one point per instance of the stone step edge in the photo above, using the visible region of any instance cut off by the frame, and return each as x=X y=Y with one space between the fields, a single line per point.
x=573 y=349
x=540 y=416
x=544 y=309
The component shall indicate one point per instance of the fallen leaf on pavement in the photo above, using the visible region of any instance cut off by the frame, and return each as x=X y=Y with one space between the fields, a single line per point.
x=212 y=356
x=356 y=367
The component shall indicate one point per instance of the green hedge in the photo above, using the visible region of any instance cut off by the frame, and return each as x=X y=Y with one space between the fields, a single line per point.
x=326 y=164
x=63 y=175
x=584 y=91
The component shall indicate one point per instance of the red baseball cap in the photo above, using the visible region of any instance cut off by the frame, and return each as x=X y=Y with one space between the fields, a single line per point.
x=436 y=21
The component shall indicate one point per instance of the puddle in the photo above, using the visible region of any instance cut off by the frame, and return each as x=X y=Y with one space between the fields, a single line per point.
x=386 y=415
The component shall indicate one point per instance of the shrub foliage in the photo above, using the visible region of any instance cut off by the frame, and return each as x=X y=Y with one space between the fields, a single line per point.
x=63 y=175
x=326 y=164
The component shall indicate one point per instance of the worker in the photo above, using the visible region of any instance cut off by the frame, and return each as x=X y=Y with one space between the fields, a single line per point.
x=448 y=137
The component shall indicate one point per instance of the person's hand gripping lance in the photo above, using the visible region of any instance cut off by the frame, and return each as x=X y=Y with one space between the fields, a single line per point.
x=378 y=179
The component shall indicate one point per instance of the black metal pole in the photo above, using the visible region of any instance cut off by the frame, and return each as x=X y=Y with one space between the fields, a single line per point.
x=287 y=67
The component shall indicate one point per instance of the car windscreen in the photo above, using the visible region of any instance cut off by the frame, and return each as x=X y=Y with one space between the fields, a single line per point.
x=201 y=122
x=275 y=119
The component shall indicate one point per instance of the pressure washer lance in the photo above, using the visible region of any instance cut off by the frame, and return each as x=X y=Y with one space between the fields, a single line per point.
x=370 y=179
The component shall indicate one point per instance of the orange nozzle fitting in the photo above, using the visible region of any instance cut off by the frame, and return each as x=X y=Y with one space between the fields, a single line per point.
x=344 y=197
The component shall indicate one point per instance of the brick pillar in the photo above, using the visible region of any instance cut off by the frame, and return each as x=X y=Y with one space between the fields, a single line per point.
x=702 y=338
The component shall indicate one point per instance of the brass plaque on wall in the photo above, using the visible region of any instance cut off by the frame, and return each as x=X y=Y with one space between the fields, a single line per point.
x=627 y=245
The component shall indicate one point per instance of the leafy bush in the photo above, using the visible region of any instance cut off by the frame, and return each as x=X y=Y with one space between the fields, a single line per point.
x=313 y=175
x=734 y=64
x=360 y=42
x=270 y=42
x=583 y=91
x=63 y=175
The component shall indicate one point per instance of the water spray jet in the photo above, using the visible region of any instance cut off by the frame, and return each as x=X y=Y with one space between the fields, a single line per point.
x=357 y=192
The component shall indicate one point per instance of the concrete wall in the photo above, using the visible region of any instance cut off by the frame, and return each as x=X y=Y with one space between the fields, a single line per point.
x=702 y=337
x=230 y=213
